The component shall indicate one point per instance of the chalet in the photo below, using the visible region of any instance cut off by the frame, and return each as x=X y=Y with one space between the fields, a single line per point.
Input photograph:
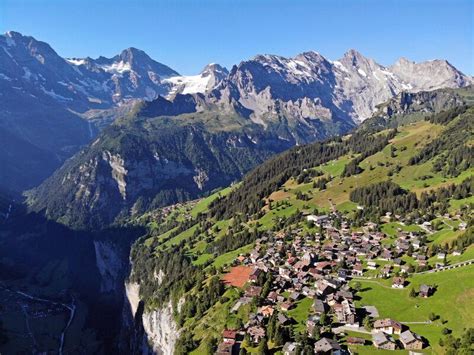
x=398 y=282
x=272 y=297
x=441 y=255
x=327 y=346
x=295 y=296
x=286 y=306
x=416 y=243
x=388 y=326
x=255 y=274
x=324 y=266
x=290 y=348
x=229 y=336
x=311 y=323
x=319 y=306
x=425 y=291
x=266 y=311
x=344 y=294
x=383 y=341
x=372 y=265
x=346 y=313
x=358 y=270
x=282 y=319
x=323 y=289
x=387 y=255
x=253 y=291
x=386 y=270
x=355 y=341
x=317 y=220
x=256 y=333
x=225 y=349
x=343 y=275
x=411 y=341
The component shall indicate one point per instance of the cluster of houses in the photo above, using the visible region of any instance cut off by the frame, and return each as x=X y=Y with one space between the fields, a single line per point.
x=319 y=267
x=385 y=328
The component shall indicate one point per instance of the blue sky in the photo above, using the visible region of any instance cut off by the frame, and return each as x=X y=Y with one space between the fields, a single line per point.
x=187 y=35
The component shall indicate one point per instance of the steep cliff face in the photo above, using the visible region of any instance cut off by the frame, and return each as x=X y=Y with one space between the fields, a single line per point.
x=409 y=107
x=150 y=332
x=110 y=265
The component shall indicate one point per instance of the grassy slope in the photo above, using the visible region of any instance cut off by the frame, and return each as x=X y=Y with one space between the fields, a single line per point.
x=455 y=287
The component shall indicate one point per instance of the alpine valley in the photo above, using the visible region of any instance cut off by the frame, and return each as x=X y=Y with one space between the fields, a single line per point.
x=285 y=206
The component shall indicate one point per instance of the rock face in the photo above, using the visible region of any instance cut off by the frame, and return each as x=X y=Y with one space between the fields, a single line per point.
x=309 y=86
x=154 y=332
x=110 y=266
x=407 y=106
x=161 y=329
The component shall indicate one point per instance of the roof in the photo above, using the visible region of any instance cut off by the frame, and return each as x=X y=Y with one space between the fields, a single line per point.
x=230 y=334
x=326 y=344
x=380 y=338
x=383 y=323
x=408 y=337
x=425 y=288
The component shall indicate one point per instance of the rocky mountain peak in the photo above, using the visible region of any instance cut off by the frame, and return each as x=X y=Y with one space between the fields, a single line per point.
x=214 y=69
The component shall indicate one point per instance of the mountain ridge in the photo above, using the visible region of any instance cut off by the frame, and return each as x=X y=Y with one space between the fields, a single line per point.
x=299 y=99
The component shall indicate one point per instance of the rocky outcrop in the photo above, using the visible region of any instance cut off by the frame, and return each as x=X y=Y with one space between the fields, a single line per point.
x=150 y=332
x=110 y=265
x=161 y=330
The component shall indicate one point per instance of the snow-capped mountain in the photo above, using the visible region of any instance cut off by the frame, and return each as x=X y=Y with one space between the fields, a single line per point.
x=211 y=76
x=309 y=86
x=50 y=106
x=80 y=83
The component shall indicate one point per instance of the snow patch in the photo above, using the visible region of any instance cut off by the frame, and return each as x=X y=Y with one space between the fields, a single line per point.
x=4 y=77
x=54 y=95
x=117 y=68
x=10 y=41
x=190 y=84
x=75 y=61
x=340 y=66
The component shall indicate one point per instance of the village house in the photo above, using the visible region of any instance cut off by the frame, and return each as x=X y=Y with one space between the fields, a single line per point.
x=411 y=341
x=355 y=341
x=319 y=306
x=383 y=341
x=290 y=348
x=255 y=274
x=266 y=311
x=398 y=282
x=253 y=291
x=229 y=336
x=225 y=349
x=372 y=265
x=327 y=346
x=256 y=333
x=388 y=326
x=425 y=291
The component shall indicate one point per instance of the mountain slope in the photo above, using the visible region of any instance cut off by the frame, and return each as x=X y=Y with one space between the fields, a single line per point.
x=167 y=152
x=142 y=161
x=398 y=198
